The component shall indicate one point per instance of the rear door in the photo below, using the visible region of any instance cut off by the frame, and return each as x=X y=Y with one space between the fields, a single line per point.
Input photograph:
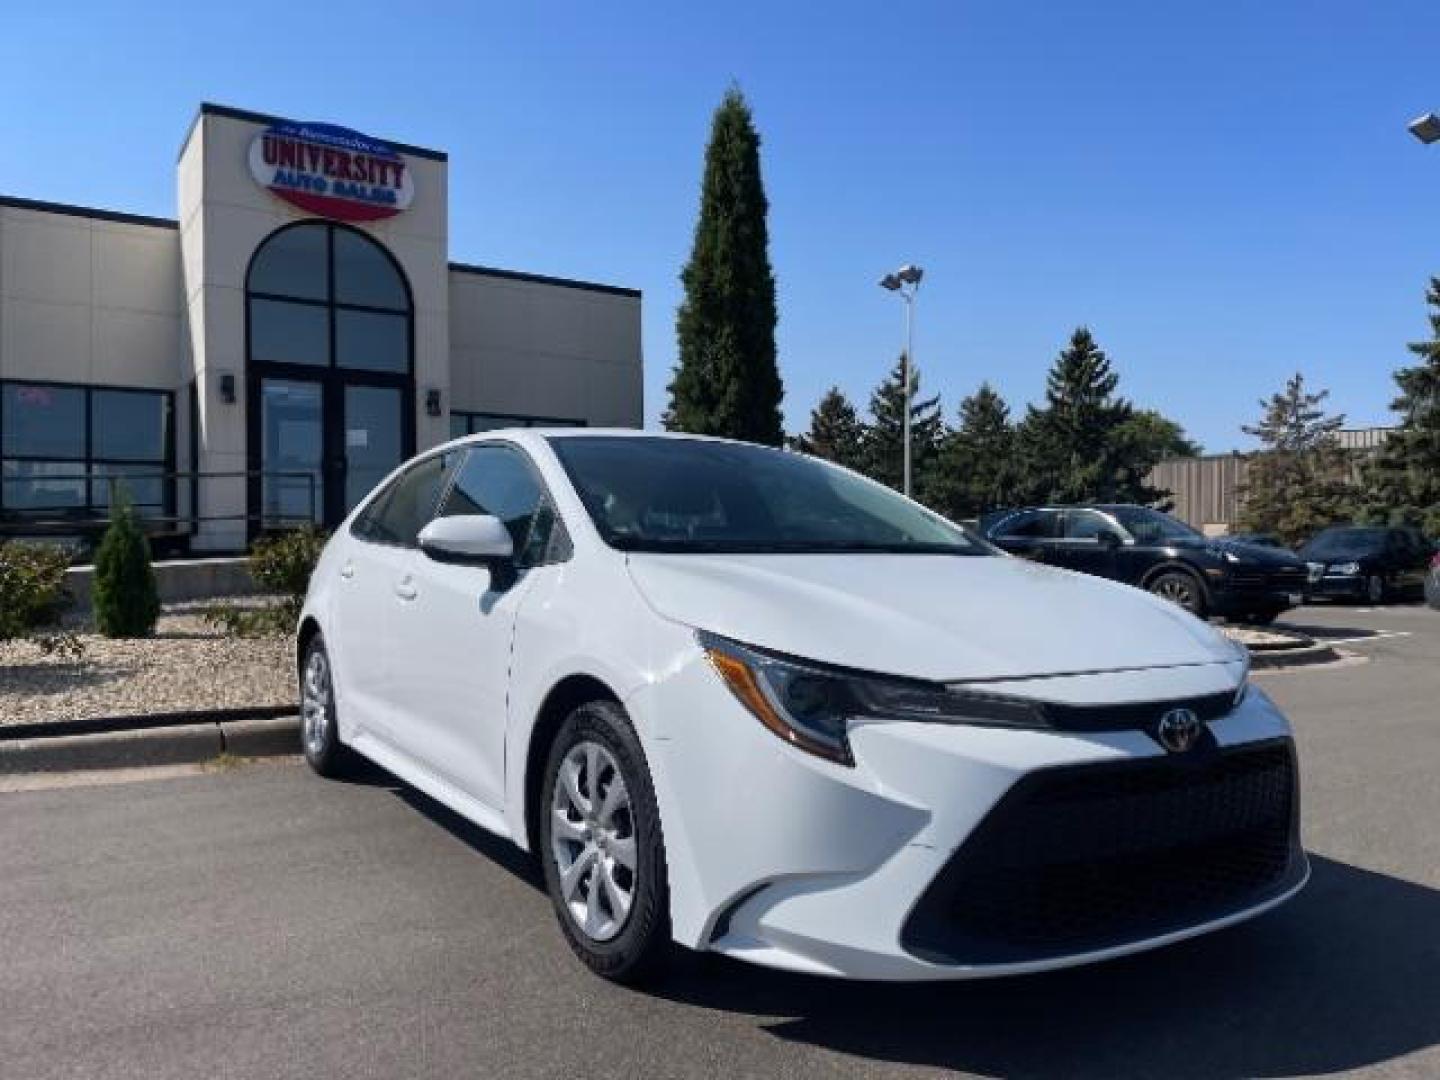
x=1031 y=534
x=372 y=586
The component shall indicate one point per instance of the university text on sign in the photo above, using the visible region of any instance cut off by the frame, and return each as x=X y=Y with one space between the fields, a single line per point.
x=331 y=171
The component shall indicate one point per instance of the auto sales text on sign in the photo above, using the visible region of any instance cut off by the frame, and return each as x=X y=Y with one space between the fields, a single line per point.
x=331 y=171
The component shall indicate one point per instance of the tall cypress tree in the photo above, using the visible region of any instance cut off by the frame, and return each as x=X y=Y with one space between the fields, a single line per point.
x=884 y=438
x=836 y=433
x=726 y=381
x=1403 y=482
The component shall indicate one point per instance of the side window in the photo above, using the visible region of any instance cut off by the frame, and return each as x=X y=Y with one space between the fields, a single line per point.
x=1031 y=525
x=398 y=513
x=498 y=481
x=1085 y=525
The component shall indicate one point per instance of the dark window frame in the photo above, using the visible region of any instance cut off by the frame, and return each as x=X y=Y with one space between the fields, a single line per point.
x=86 y=463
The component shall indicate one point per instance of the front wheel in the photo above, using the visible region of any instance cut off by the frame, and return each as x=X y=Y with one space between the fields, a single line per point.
x=1181 y=589
x=601 y=845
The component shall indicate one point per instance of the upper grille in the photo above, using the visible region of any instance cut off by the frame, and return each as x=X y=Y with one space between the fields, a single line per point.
x=1085 y=857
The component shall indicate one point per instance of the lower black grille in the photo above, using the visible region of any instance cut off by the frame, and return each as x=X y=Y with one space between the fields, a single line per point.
x=1287 y=580
x=1086 y=857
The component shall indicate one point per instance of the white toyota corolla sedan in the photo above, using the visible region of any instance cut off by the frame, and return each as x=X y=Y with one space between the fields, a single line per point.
x=753 y=703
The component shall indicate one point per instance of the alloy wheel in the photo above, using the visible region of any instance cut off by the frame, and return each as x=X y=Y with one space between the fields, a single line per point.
x=1177 y=590
x=592 y=840
x=315 y=703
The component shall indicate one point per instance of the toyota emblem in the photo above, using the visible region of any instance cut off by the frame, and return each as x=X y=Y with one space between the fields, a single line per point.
x=1179 y=729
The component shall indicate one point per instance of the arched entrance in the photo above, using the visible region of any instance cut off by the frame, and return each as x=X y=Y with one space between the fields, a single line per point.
x=330 y=362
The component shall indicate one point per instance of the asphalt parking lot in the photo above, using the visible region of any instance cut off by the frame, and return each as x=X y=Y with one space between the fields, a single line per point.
x=259 y=922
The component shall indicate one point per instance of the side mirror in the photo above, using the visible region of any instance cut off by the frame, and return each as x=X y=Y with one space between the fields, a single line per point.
x=467 y=538
x=1109 y=539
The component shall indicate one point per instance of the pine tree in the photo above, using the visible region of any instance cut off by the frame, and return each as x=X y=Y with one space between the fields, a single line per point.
x=1297 y=483
x=836 y=432
x=1070 y=447
x=127 y=601
x=884 y=438
x=726 y=381
x=1403 y=482
x=976 y=470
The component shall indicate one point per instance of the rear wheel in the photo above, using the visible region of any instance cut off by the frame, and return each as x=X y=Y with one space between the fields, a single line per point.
x=1180 y=589
x=601 y=845
x=319 y=733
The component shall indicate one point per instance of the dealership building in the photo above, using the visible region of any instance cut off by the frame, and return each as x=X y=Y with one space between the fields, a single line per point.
x=296 y=331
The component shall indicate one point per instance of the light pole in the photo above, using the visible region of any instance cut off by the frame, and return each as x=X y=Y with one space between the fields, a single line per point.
x=910 y=275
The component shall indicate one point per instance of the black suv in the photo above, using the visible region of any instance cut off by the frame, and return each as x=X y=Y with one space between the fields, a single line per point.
x=1153 y=551
x=1368 y=562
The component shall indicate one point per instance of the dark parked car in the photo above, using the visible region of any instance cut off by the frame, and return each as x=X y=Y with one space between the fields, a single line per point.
x=1373 y=563
x=1151 y=550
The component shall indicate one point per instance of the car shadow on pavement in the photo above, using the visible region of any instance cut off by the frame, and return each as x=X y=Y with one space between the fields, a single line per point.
x=1347 y=975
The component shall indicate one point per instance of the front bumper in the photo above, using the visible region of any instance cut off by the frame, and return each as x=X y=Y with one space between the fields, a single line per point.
x=1247 y=593
x=782 y=859
x=1339 y=587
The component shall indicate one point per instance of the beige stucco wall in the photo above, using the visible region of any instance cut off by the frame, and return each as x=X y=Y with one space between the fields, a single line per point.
x=536 y=348
x=86 y=300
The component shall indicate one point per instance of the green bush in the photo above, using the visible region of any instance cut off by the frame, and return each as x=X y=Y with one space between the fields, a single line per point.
x=280 y=564
x=127 y=601
x=33 y=596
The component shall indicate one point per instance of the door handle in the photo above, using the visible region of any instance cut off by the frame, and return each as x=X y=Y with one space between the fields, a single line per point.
x=347 y=571
x=405 y=589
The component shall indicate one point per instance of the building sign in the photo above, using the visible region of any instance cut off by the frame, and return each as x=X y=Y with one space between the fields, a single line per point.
x=331 y=171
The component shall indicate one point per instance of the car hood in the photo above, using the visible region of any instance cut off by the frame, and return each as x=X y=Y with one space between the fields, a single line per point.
x=939 y=617
x=1254 y=554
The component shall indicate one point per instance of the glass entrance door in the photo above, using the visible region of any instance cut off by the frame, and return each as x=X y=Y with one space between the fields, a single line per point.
x=324 y=444
x=292 y=452
x=373 y=426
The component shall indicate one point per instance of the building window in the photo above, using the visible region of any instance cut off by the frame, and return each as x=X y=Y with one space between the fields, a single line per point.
x=321 y=295
x=470 y=423
x=63 y=447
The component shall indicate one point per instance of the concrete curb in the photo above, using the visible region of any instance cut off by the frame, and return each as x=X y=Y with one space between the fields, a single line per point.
x=1269 y=660
x=134 y=747
x=101 y=725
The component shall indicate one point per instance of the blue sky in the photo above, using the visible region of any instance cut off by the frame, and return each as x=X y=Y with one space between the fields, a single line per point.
x=1224 y=192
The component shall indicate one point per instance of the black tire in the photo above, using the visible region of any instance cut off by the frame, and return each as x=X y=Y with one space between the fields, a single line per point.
x=1376 y=591
x=1180 y=588
x=319 y=730
x=636 y=950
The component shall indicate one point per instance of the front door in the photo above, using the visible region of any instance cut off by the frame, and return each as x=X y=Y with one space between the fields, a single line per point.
x=323 y=445
x=452 y=659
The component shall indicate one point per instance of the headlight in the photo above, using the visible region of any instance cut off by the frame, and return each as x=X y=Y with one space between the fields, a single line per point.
x=813 y=707
x=1346 y=568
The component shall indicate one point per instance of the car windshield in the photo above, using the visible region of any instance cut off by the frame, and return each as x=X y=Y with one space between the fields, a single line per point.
x=647 y=493
x=1153 y=527
x=1337 y=543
